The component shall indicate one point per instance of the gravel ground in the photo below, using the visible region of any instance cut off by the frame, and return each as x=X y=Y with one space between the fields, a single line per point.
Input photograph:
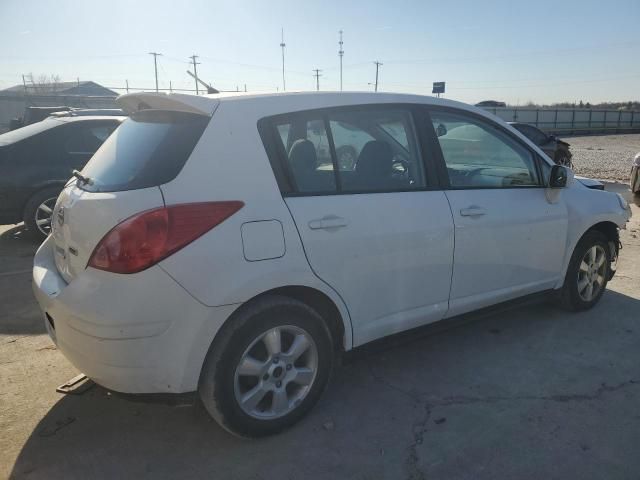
x=604 y=156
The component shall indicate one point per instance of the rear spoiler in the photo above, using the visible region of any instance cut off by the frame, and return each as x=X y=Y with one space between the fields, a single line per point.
x=176 y=102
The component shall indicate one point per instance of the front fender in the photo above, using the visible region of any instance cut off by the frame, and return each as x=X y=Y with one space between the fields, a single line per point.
x=587 y=208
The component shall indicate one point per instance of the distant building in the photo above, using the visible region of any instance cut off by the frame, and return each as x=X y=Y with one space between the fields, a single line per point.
x=84 y=94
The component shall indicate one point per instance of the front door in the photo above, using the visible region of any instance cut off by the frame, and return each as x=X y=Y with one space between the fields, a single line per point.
x=371 y=228
x=509 y=239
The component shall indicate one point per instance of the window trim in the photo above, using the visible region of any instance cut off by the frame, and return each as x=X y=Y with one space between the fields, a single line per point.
x=277 y=156
x=443 y=174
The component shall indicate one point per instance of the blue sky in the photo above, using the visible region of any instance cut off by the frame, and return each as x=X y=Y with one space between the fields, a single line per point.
x=544 y=51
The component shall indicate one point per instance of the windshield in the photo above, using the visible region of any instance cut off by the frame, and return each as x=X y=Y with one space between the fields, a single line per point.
x=148 y=149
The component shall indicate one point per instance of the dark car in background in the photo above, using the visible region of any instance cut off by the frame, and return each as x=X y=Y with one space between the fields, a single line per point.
x=555 y=148
x=37 y=160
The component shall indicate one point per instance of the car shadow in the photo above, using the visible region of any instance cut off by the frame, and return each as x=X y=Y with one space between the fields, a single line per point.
x=19 y=313
x=371 y=422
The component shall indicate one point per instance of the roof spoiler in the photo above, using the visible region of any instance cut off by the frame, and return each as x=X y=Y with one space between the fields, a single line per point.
x=134 y=102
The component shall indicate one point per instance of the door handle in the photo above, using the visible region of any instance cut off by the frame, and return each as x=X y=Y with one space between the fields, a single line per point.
x=472 y=211
x=328 y=222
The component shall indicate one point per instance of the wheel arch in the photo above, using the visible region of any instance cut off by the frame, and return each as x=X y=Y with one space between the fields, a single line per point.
x=330 y=309
x=321 y=303
x=36 y=190
x=607 y=227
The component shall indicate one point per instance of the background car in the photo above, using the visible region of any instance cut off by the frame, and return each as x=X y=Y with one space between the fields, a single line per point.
x=635 y=175
x=557 y=149
x=37 y=160
x=491 y=103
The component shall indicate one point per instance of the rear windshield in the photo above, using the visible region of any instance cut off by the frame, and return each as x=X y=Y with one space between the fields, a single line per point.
x=148 y=149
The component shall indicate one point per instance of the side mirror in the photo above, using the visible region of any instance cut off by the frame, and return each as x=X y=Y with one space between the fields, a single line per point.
x=441 y=130
x=559 y=176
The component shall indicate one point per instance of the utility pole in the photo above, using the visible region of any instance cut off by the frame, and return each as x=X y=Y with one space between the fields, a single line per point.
x=340 y=53
x=282 y=45
x=155 y=65
x=127 y=82
x=317 y=75
x=170 y=87
x=24 y=83
x=195 y=71
x=378 y=65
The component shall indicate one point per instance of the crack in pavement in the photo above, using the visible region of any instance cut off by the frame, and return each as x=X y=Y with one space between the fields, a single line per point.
x=419 y=428
x=575 y=397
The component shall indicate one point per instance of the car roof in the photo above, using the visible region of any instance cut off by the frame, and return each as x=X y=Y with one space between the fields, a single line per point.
x=19 y=134
x=274 y=103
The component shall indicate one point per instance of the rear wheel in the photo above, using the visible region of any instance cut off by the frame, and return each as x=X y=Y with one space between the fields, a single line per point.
x=267 y=368
x=588 y=273
x=38 y=212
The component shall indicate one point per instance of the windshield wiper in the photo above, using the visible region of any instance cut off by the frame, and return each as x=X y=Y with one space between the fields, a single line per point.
x=82 y=178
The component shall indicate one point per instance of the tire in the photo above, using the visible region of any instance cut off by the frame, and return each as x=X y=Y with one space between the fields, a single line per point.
x=222 y=382
x=33 y=213
x=574 y=296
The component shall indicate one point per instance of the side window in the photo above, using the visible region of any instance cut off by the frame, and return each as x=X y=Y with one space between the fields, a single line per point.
x=74 y=139
x=539 y=137
x=86 y=138
x=376 y=150
x=478 y=155
x=96 y=135
x=308 y=157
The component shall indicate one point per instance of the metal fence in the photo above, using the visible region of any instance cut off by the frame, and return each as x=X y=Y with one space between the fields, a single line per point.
x=572 y=120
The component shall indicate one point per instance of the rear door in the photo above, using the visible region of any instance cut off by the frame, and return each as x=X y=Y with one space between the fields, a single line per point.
x=509 y=238
x=376 y=230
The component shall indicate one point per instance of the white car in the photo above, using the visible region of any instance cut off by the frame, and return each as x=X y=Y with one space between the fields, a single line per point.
x=212 y=244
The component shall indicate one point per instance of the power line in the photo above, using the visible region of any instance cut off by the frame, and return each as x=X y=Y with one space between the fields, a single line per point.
x=282 y=45
x=155 y=65
x=317 y=75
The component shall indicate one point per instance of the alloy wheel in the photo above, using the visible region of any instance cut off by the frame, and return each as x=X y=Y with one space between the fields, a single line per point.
x=276 y=372
x=43 y=215
x=591 y=274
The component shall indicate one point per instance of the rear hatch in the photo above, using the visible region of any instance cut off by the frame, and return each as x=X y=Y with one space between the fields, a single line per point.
x=147 y=150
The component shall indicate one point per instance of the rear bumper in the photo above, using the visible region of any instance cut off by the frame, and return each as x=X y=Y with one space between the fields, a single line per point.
x=140 y=333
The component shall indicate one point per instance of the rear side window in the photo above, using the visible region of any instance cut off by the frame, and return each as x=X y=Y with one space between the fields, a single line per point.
x=348 y=150
x=148 y=149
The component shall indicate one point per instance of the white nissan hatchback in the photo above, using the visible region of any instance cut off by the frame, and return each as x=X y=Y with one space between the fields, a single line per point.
x=221 y=244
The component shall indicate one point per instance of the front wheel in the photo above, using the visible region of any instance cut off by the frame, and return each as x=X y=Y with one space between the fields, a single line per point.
x=587 y=274
x=268 y=367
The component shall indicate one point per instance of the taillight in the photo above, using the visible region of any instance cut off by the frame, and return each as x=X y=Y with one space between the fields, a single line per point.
x=146 y=238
